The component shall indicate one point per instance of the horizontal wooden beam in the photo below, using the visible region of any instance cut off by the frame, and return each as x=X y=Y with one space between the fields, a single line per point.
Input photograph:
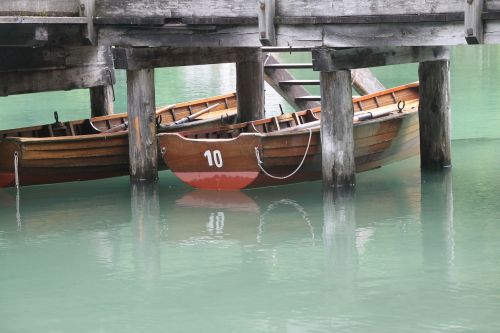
x=176 y=8
x=12 y=35
x=201 y=36
x=37 y=35
x=42 y=20
x=39 y=8
x=139 y=58
x=18 y=59
x=371 y=19
x=289 y=66
x=330 y=60
x=25 y=70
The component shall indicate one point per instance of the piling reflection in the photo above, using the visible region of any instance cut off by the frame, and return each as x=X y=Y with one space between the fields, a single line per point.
x=437 y=221
x=339 y=238
x=145 y=219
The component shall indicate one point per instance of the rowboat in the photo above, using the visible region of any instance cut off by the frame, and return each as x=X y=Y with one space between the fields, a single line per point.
x=286 y=149
x=93 y=148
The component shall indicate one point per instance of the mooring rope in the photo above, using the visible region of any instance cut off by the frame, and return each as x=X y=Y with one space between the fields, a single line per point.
x=259 y=161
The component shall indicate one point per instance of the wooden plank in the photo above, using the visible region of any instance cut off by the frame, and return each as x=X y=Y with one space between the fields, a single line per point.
x=39 y=8
x=12 y=83
x=267 y=31
x=101 y=101
x=37 y=35
x=371 y=19
x=337 y=139
x=307 y=98
x=177 y=8
x=368 y=7
x=274 y=76
x=142 y=128
x=473 y=22
x=250 y=89
x=327 y=59
x=288 y=66
x=22 y=59
x=137 y=58
x=243 y=36
x=300 y=82
x=370 y=35
x=43 y=20
x=435 y=115
x=13 y=35
x=25 y=70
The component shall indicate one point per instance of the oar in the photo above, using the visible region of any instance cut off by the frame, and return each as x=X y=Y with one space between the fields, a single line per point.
x=124 y=126
x=165 y=108
x=193 y=116
x=359 y=116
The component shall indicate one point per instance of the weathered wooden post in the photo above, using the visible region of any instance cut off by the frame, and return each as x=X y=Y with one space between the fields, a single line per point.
x=250 y=86
x=142 y=125
x=101 y=101
x=337 y=140
x=434 y=114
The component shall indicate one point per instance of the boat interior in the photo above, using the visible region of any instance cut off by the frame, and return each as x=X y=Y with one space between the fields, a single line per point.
x=226 y=104
x=391 y=99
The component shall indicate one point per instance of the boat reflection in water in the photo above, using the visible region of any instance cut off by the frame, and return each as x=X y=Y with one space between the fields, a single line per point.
x=290 y=246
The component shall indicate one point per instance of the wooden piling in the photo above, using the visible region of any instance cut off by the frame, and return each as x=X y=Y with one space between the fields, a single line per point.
x=142 y=127
x=434 y=114
x=250 y=87
x=101 y=101
x=337 y=140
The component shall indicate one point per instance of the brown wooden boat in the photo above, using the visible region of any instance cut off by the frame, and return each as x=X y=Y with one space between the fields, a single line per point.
x=285 y=149
x=82 y=150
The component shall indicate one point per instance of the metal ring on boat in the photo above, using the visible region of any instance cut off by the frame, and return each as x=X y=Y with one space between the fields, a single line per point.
x=400 y=108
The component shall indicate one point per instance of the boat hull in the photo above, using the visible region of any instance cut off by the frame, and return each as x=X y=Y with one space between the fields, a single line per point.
x=66 y=157
x=377 y=143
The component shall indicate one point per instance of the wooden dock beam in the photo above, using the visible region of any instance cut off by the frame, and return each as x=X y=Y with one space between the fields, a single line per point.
x=250 y=87
x=337 y=139
x=101 y=101
x=434 y=114
x=143 y=148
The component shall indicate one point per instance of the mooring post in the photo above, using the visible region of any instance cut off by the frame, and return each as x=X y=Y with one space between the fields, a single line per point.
x=142 y=125
x=250 y=87
x=434 y=114
x=101 y=101
x=337 y=141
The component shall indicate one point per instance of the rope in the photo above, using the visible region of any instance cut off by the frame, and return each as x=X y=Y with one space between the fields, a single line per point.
x=259 y=161
x=16 y=168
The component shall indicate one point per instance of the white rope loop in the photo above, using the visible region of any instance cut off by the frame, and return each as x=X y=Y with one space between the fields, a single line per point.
x=259 y=161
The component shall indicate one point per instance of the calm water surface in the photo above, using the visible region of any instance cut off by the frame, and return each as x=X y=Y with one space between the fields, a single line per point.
x=408 y=253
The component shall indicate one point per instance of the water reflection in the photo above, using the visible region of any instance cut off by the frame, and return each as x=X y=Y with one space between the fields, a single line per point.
x=437 y=221
x=145 y=219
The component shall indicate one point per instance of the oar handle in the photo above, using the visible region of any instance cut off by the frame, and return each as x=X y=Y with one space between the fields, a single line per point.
x=164 y=109
x=195 y=115
x=118 y=128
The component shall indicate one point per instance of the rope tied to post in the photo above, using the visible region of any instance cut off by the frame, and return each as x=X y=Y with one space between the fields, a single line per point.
x=260 y=162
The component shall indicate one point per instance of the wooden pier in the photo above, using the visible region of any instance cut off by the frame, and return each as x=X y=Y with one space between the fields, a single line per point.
x=77 y=44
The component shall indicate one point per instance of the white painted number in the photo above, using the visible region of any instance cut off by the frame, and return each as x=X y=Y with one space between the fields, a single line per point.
x=214 y=157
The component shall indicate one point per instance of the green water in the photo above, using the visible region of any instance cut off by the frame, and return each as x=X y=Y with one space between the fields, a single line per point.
x=409 y=253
